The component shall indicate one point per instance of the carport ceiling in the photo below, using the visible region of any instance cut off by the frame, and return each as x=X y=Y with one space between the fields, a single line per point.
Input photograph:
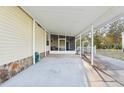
x=70 y=20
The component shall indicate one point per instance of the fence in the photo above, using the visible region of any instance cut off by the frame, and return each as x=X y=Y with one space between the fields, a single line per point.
x=86 y=50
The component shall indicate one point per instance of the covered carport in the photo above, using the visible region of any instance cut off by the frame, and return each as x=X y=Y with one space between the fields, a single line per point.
x=73 y=21
x=66 y=21
x=78 y=22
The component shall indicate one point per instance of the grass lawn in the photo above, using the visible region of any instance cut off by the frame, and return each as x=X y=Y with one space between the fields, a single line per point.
x=118 y=54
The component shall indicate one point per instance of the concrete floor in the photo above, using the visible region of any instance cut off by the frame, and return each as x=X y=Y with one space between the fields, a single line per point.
x=68 y=71
x=111 y=66
x=52 y=71
x=94 y=79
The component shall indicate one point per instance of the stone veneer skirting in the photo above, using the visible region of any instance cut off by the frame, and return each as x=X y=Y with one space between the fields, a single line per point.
x=9 y=70
x=43 y=54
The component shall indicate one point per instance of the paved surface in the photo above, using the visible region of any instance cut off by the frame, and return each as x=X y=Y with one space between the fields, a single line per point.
x=94 y=79
x=110 y=63
x=111 y=66
x=69 y=71
x=52 y=71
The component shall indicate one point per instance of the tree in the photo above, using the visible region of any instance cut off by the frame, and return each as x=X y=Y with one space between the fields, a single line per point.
x=115 y=31
x=98 y=40
x=110 y=36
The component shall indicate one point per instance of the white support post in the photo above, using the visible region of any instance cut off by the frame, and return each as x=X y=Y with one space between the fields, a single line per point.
x=33 y=32
x=45 y=42
x=65 y=43
x=58 y=42
x=123 y=42
x=92 y=44
x=75 y=45
x=83 y=47
x=80 y=45
x=49 y=42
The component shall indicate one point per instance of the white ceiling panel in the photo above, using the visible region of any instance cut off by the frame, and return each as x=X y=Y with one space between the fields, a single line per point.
x=69 y=20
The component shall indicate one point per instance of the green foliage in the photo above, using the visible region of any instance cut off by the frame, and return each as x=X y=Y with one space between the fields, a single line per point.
x=98 y=40
x=110 y=39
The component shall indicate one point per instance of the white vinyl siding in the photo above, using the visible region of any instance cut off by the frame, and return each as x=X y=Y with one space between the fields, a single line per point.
x=39 y=39
x=15 y=34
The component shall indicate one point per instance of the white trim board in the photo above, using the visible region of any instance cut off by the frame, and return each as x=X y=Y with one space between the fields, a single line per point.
x=62 y=52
